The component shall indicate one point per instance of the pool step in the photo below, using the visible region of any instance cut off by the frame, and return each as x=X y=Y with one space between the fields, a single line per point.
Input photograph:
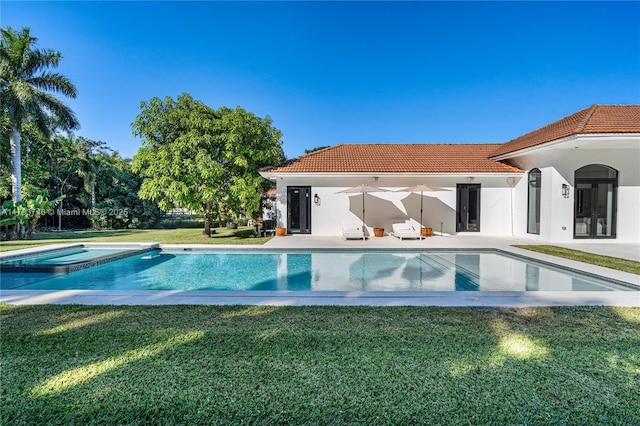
x=464 y=278
x=76 y=266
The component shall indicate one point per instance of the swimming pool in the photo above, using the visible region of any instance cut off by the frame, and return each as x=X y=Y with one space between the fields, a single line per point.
x=466 y=271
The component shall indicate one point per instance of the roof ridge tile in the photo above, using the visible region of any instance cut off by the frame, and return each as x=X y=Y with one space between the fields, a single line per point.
x=585 y=120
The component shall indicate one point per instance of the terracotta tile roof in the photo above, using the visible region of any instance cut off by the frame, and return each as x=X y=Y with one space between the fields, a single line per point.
x=595 y=119
x=397 y=158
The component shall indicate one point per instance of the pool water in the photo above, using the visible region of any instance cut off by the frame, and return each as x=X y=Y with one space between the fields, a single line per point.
x=319 y=271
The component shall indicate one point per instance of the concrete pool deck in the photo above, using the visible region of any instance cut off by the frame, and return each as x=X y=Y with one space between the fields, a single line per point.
x=372 y=298
x=602 y=247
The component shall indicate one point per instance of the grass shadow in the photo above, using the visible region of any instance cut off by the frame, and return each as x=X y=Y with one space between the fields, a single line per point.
x=242 y=235
x=79 y=235
x=318 y=365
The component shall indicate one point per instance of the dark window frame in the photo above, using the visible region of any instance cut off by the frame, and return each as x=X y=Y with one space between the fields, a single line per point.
x=478 y=187
x=538 y=173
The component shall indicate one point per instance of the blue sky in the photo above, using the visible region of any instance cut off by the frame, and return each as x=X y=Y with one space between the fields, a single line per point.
x=334 y=72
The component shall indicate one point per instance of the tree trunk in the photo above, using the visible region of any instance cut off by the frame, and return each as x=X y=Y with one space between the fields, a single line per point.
x=32 y=227
x=93 y=194
x=16 y=162
x=207 y=226
x=60 y=216
x=207 y=219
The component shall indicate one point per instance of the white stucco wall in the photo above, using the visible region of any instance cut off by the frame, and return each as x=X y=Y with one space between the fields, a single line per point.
x=558 y=166
x=384 y=208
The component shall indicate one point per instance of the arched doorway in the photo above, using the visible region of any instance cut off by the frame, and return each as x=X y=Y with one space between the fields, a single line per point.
x=596 y=188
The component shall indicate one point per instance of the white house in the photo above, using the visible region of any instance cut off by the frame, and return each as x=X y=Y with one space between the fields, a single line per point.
x=576 y=178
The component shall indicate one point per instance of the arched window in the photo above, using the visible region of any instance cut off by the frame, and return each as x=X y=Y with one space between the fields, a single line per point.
x=596 y=171
x=596 y=188
x=533 y=209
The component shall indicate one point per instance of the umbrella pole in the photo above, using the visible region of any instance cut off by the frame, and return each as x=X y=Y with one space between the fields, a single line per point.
x=421 y=198
x=363 y=235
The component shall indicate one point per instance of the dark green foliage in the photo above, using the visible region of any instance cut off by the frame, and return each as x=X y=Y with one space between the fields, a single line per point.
x=118 y=204
x=319 y=365
x=100 y=189
x=319 y=148
x=168 y=223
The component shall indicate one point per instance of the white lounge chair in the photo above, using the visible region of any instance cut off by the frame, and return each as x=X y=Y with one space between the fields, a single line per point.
x=352 y=231
x=404 y=230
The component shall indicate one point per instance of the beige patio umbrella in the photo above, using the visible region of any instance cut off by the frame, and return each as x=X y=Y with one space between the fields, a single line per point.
x=362 y=189
x=421 y=188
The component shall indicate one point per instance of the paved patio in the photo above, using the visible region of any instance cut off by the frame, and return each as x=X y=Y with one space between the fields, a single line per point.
x=607 y=248
x=372 y=298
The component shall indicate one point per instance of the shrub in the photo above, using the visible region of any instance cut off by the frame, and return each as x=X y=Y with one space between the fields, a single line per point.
x=168 y=223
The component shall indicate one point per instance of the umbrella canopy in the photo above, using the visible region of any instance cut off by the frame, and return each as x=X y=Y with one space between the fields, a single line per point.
x=422 y=188
x=362 y=189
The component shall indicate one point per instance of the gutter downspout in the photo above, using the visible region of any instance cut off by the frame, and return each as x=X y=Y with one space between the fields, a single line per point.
x=511 y=182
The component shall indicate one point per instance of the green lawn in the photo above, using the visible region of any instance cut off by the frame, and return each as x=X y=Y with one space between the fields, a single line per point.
x=242 y=235
x=319 y=365
x=581 y=256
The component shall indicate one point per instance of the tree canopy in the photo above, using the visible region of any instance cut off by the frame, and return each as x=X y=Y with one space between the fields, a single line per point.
x=309 y=151
x=204 y=159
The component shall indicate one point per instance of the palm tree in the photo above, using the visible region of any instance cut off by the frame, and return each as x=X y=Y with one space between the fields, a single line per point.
x=92 y=158
x=25 y=84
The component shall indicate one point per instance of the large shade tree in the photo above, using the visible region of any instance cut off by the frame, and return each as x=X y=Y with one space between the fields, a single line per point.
x=26 y=87
x=203 y=159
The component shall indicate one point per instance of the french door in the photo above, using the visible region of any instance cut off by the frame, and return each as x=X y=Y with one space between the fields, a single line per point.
x=468 y=208
x=596 y=187
x=299 y=209
x=595 y=210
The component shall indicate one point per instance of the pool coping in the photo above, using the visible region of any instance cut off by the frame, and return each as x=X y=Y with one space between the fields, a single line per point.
x=347 y=298
x=307 y=298
x=53 y=247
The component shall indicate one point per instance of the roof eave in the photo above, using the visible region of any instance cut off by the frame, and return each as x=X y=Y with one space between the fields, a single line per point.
x=531 y=149
x=554 y=143
x=275 y=175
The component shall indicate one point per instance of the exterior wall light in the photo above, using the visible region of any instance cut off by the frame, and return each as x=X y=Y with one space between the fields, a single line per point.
x=470 y=179
x=511 y=180
x=565 y=190
x=316 y=199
